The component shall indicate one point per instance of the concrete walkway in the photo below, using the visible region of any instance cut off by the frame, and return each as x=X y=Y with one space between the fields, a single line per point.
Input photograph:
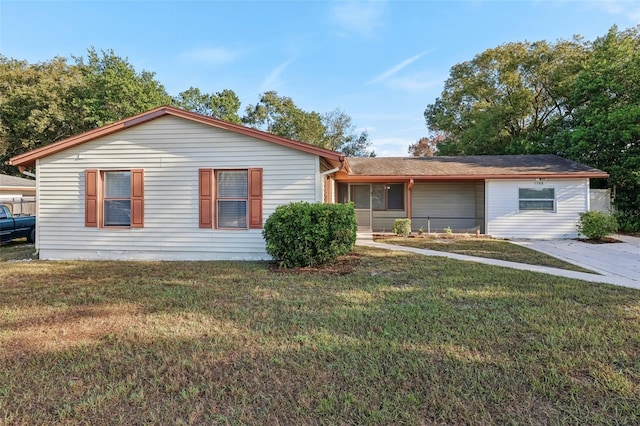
x=606 y=277
x=612 y=259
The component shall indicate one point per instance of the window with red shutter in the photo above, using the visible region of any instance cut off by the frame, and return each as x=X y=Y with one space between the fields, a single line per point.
x=230 y=199
x=114 y=198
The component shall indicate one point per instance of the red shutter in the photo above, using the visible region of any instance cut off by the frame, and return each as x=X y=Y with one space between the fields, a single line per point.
x=137 y=198
x=91 y=198
x=255 y=198
x=205 y=198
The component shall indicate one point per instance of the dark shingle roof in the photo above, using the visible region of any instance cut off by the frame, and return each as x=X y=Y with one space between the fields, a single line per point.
x=471 y=166
x=6 y=180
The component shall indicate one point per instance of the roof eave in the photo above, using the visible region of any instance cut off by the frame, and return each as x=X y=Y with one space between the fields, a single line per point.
x=17 y=188
x=419 y=178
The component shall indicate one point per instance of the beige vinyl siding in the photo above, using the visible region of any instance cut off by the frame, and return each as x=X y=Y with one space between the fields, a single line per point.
x=170 y=150
x=383 y=221
x=458 y=205
x=505 y=220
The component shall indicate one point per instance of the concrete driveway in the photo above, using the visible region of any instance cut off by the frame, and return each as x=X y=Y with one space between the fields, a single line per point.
x=616 y=260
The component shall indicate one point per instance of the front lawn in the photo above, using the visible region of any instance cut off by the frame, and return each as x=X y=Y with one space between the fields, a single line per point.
x=483 y=247
x=380 y=337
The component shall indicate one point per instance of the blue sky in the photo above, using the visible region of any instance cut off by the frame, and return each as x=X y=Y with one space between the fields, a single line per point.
x=382 y=62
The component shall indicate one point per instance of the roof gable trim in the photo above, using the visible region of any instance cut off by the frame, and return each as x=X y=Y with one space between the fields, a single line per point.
x=29 y=158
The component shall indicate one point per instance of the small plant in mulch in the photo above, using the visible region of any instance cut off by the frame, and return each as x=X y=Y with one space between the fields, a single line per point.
x=402 y=227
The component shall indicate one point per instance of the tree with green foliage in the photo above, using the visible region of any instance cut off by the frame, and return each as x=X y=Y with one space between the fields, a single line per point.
x=46 y=102
x=334 y=130
x=575 y=99
x=112 y=89
x=280 y=115
x=49 y=101
x=37 y=106
x=506 y=99
x=359 y=146
x=603 y=129
x=340 y=135
x=223 y=105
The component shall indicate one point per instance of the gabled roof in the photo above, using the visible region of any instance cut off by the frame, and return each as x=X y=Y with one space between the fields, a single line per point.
x=469 y=167
x=28 y=159
x=9 y=182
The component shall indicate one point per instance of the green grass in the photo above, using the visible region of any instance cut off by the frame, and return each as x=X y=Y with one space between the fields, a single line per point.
x=386 y=338
x=484 y=247
x=17 y=250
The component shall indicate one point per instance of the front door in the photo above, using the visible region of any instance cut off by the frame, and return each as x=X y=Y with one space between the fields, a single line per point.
x=361 y=198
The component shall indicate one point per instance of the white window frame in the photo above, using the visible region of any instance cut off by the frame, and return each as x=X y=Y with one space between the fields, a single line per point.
x=220 y=199
x=553 y=200
x=105 y=198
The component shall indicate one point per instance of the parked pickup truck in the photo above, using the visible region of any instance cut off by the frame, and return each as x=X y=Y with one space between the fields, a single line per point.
x=13 y=227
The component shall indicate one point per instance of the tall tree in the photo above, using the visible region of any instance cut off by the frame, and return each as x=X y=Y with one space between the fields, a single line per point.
x=604 y=127
x=341 y=135
x=194 y=100
x=37 y=105
x=280 y=115
x=506 y=99
x=223 y=105
x=112 y=89
x=359 y=146
x=43 y=103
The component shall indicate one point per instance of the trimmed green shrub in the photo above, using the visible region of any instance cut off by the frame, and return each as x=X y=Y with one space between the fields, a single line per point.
x=402 y=227
x=304 y=234
x=597 y=225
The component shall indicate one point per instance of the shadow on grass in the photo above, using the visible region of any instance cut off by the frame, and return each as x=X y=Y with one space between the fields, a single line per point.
x=402 y=339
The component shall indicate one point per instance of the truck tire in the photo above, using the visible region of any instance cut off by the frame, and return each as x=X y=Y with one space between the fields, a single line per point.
x=32 y=236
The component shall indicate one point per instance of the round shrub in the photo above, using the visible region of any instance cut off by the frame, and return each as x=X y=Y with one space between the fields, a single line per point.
x=308 y=234
x=597 y=225
x=402 y=227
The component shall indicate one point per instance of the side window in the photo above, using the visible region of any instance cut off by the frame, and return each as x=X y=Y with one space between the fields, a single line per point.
x=232 y=197
x=537 y=199
x=114 y=198
x=3 y=213
x=117 y=199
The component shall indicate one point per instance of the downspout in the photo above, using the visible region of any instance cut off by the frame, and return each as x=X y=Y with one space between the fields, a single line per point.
x=409 y=186
x=328 y=172
x=24 y=171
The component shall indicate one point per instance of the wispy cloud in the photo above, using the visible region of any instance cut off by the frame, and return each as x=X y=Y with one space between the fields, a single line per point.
x=396 y=68
x=416 y=82
x=213 y=55
x=272 y=80
x=627 y=8
x=360 y=17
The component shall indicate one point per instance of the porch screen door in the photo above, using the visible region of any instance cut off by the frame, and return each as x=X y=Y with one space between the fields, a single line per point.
x=361 y=197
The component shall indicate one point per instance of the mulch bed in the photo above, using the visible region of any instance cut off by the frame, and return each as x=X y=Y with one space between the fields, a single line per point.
x=605 y=240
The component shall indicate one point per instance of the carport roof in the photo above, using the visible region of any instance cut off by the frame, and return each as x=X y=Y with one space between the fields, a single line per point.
x=15 y=181
x=473 y=167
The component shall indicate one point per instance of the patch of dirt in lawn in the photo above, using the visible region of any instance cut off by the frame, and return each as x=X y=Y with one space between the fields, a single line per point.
x=62 y=329
x=344 y=265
